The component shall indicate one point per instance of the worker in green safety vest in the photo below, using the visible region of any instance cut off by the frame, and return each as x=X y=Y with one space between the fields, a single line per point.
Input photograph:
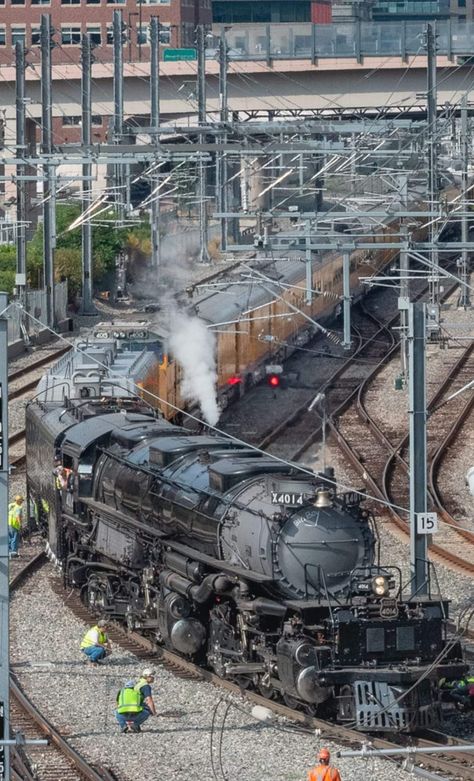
x=141 y=698
x=15 y=521
x=459 y=691
x=129 y=708
x=95 y=643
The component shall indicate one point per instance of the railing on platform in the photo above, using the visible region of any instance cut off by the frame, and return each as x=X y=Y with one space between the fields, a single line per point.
x=352 y=39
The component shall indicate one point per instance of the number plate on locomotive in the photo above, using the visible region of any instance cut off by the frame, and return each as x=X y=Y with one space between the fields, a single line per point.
x=290 y=500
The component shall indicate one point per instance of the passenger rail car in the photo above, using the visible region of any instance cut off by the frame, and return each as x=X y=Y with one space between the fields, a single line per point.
x=250 y=568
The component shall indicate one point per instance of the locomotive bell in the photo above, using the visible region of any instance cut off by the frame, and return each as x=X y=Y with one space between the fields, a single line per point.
x=323 y=498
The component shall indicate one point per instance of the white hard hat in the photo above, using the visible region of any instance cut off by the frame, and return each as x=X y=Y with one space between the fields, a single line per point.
x=147 y=672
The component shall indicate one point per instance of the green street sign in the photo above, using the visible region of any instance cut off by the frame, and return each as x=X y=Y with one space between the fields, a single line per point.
x=176 y=55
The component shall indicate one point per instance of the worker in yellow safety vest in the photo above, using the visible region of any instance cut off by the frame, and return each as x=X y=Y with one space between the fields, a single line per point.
x=129 y=708
x=95 y=643
x=15 y=521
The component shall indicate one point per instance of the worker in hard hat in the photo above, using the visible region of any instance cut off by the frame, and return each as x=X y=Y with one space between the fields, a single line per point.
x=15 y=522
x=324 y=771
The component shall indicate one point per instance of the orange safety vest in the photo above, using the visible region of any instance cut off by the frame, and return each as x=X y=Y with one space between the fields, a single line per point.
x=324 y=773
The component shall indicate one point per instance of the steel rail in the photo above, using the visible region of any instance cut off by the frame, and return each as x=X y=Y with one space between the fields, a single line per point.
x=147 y=649
x=79 y=764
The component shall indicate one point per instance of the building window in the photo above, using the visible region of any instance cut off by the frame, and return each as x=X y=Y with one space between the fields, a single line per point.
x=70 y=34
x=93 y=2
x=165 y=33
x=115 y=2
x=40 y=2
x=461 y=3
x=18 y=34
x=142 y=35
x=95 y=33
x=71 y=121
x=70 y=2
x=97 y=120
x=35 y=36
x=2 y=36
x=110 y=34
x=17 y=2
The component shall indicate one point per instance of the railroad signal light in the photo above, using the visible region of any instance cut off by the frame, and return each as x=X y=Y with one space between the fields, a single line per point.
x=234 y=380
x=273 y=380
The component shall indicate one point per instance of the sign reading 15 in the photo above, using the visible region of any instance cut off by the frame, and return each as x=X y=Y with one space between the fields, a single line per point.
x=292 y=500
x=426 y=523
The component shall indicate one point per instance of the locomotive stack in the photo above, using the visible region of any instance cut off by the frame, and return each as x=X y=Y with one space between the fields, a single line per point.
x=257 y=570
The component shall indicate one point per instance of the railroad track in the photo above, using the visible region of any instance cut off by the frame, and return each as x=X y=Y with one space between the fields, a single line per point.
x=456 y=766
x=17 y=440
x=380 y=457
x=33 y=366
x=372 y=340
x=57 y=761
x=375 y=343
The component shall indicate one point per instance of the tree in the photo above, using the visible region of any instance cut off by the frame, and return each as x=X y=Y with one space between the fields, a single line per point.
x=107 y=241
x=7 y=267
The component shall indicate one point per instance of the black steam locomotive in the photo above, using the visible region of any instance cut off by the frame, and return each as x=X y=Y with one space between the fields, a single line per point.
x=256 y=570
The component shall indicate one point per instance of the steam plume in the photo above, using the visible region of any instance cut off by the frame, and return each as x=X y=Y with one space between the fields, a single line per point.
x=193 y=346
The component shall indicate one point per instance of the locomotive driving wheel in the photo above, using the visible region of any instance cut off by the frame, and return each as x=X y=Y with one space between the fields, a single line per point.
x=292 y=702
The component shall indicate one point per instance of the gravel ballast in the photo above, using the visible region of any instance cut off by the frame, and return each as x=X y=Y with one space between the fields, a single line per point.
x=79 y=699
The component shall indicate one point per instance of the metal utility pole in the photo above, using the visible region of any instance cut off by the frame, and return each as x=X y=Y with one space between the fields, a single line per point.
x=346 y=299
x=202 y=189
x=404 y=282
x=432 y=101
x=4 y=637
x=86 y=138
x=221 y=168
x=464 y=297
x=417 y=416
x=308 y=264
x=20 y=65
x=119 y=178
x=49 y=211
x=154 y=124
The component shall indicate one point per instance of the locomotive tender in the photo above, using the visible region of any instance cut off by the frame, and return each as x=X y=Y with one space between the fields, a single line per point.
x=253 y=568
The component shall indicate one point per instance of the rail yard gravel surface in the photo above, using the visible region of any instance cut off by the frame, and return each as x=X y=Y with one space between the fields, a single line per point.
x=79 y=699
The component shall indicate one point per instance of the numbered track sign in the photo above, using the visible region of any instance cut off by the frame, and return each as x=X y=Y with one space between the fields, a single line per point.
x=427 y=523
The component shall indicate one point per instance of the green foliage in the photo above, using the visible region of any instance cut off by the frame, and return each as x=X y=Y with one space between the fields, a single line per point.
x=7 y=267
x=107 y=241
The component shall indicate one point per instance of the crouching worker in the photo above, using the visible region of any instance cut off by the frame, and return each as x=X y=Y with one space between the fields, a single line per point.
x=134 y=708
x=130 y=712
x=95 y=643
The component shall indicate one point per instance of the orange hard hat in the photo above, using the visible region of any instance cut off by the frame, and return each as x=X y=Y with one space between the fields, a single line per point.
x=324 y=754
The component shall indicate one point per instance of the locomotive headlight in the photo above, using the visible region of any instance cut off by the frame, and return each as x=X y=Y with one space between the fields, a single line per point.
x=380 y=586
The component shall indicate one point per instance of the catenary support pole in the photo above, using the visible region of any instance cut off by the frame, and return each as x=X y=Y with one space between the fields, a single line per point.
x=432 y=143
x=4 y=589
x=49 y=210
x=417 y=461
x=202 y=178
x=222 y=161
x=346 y=299
x=20 y=65
x=404 y=282
x=119 y=178
x=86 y=137
x=154 y=123
x=308 y=264
x=464 y=297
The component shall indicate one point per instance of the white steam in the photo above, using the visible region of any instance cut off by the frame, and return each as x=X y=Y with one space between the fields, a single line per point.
x=193 y=346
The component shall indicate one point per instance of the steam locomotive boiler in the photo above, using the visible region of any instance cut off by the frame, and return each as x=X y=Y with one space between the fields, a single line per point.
x=259 y=571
